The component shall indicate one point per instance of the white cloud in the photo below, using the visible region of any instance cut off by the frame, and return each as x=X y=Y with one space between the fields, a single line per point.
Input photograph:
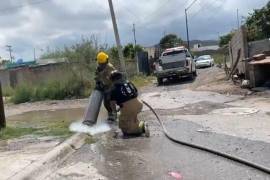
x=57 y=23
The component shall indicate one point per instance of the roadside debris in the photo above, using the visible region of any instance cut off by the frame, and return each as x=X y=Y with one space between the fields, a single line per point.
x=205 y=130
x=236 y=111
x=175 y=175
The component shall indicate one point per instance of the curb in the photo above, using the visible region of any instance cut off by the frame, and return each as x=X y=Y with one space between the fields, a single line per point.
x=43 y=167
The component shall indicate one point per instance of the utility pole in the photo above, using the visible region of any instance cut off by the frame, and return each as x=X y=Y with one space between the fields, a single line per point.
x=187 y=29
x=35 y=54
x=186 y=9
x=164 y=33
x=117 y=38
x=238 y=23
x=2 y=112
x=134 y=34
x=10 y=51
x=135 y=50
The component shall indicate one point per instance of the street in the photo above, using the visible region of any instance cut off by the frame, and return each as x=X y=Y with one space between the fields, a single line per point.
x=135 y=90
x=235 y=124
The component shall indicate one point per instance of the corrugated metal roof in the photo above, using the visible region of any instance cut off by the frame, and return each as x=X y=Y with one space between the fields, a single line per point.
x=260 y=62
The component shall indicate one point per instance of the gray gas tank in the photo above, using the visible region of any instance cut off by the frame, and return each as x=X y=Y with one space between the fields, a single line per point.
x=93 y=108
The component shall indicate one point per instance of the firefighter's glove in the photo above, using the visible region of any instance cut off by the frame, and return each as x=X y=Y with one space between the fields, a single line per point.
x=99 y=86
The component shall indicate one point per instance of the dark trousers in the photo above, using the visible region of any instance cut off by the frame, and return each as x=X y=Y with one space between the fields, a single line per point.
x=106 y=101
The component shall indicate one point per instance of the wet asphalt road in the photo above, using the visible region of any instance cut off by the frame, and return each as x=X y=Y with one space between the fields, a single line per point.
x=153 y=158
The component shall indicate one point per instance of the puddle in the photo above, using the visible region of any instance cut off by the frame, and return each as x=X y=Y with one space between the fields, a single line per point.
x=199 y=108
x=236 y=111
x=181 y=98
x=40 y=119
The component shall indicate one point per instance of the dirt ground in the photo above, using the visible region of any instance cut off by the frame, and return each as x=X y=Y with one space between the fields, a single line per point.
x=209 y=110
x=203 y=112
x=212 y=80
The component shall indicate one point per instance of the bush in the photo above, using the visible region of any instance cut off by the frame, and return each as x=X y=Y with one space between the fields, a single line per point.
x=8 y=91
x=22 y=94
x=52 y=90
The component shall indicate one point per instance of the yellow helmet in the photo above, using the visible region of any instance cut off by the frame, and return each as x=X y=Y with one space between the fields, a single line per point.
x=102 y=57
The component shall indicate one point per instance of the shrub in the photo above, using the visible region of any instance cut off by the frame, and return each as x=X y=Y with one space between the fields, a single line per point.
x=52 y=90
x=8 y=91
x=22 y=94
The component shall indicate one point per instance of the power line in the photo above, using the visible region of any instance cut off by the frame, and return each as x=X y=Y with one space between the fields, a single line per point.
x=154 y=13
x=191 y=4
x=202 y=8
x=128 y=10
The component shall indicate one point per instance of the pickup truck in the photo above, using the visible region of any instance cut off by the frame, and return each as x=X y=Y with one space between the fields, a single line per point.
x=175 y=62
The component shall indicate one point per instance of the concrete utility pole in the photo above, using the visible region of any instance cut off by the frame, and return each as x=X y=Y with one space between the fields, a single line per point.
x=35 y=54
x=238 y=23
x=2 y=112
x=134 y=35
x=135 y=44
x=10 y=51
x=187 y=29
x=186 y=9
x=117 y=38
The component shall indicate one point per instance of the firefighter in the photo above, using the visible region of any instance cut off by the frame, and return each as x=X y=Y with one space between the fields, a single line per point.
x=103 y=83
x=125 y=94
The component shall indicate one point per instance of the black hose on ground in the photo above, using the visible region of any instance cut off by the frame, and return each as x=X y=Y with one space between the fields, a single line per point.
x=222 y=154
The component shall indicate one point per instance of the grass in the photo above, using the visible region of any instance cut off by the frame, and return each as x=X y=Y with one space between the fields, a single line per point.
x=15 y=132
x=59 y=90
x=42 y=124
x=52 y=90
x=141 y=80
x=8 y=91
x=219 y=58
x=58 y=128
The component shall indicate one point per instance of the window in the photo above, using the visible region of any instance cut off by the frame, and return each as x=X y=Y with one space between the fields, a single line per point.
x=172 y=53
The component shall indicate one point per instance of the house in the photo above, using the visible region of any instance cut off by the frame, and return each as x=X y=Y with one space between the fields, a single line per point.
x=200 y=48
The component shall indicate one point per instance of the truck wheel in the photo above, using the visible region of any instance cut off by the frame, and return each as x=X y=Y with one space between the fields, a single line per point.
x=195 y=73
x=159 y=81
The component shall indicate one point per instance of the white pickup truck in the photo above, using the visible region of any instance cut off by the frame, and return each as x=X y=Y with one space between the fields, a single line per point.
x=175 y=62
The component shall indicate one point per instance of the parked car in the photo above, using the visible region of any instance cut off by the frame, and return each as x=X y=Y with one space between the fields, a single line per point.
x=204 y=61
x=175 y=62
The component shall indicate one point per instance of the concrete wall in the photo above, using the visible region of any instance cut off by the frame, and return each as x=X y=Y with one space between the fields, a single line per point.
x=39 y=74
x=151 y=51
x=239 y=41
x=131 y=67
x=32 y=75
x=259 y=74
x=4 y=78
x=258 y=47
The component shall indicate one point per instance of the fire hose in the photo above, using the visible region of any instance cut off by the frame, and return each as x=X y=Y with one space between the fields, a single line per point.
x=212 y=151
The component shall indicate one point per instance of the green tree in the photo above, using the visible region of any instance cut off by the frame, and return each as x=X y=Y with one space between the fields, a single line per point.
x=129 y=50
x=224 y=40
x=113 y=52
x=170 y=40
x=258 y=23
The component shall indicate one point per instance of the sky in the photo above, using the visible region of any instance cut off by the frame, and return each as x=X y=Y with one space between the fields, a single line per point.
x=48 y=24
